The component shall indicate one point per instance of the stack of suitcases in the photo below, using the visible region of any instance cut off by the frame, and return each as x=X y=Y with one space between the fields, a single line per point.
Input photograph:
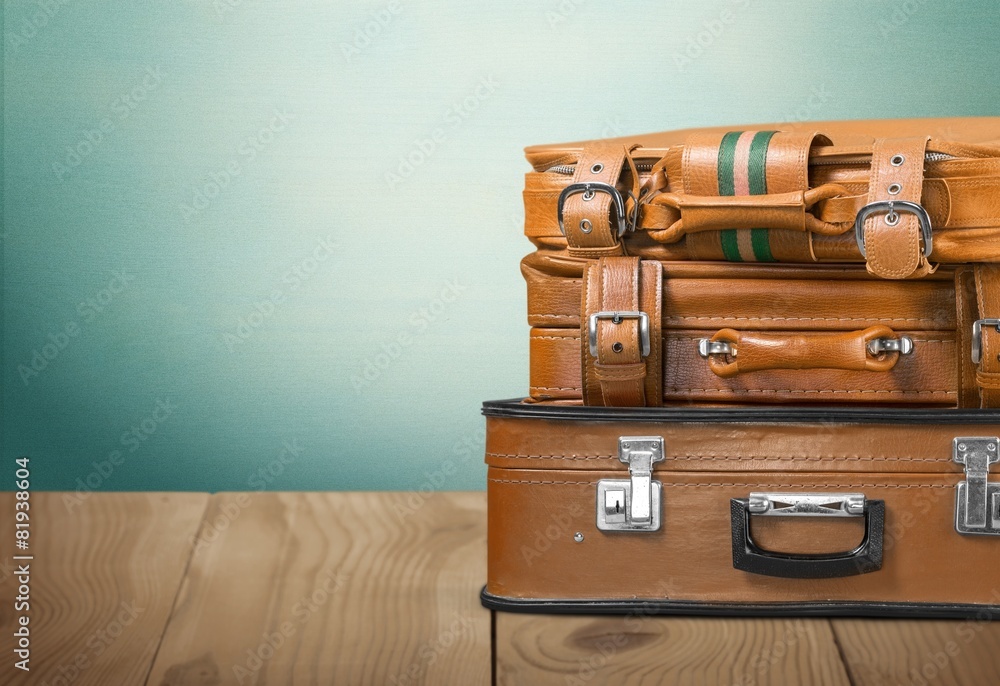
x=765 y=375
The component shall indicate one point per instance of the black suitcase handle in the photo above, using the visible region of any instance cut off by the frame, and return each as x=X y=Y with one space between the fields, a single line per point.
x=749 y=557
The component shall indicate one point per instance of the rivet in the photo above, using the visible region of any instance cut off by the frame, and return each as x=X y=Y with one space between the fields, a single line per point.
x=578 y=537
x=894 y=189
x=586 y=226
x=962 y=446
x=897 y=160
x=618 y=347
x=597 y=168
x=626 y=446
x=991 y=446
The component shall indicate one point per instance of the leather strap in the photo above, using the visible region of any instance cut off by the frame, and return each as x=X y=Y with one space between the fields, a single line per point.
x=619 y=375
x=966 y=312
x=587 y=218
x=895 y=250
x=988 y=301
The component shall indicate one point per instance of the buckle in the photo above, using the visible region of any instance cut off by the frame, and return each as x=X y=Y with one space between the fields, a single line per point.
x=617 y=318
x=589 y=188
x=893 y=207
x=977 y=337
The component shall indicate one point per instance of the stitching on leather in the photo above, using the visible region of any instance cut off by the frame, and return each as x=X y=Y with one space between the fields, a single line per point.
x=975 y=221
x=979 y=291
x=811 y=319
x=584 y=357
x=554 y=457
x=973 y=183
x=789 y=390
x=567 y=337
x=748 y=482
x=784 y=458
x=555 y=388
x=671 y=338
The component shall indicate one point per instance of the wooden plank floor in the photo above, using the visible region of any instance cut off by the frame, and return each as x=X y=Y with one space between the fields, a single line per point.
x=382 y=588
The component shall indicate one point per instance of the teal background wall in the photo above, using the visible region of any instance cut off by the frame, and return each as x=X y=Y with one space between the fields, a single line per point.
x=260 y=244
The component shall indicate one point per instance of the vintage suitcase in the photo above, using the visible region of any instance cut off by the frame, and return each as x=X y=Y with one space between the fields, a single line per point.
x=774 y=510
x=834 y=262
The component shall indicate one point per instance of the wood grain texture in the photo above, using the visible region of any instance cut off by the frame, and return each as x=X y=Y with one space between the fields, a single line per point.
x=542 y=650
x=944 y=653
x=342 y=588
x=103 y=580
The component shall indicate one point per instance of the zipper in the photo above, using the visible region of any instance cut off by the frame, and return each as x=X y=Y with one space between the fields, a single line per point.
x=569 y=169
x=866 y=159
x=647 y=166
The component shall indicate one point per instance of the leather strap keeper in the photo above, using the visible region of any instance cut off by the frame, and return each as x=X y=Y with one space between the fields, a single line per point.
x=620 y=374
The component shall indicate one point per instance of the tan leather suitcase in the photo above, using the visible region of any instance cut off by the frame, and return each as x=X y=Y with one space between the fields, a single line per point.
x=757 y=510
x=829 y=262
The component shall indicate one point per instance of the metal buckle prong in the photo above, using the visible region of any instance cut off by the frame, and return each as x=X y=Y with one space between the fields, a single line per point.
x=977 y=337
x=892 y=208
x=588 y=188
x=617 y=318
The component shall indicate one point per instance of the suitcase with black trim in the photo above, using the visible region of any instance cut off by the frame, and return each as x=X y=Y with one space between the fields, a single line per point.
x=825 y=511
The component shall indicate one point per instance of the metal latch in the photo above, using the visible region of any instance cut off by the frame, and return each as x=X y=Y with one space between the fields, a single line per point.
x=636 y=503
x=977 y=504
x=807 y=504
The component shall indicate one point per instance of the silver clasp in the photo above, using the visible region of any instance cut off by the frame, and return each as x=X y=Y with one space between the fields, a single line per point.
x=706 y=347
x=977 y=505
x=636 y=503
x=902 y=345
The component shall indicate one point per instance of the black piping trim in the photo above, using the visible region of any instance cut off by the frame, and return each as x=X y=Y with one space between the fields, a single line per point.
x=741 y=415
x=692 y=608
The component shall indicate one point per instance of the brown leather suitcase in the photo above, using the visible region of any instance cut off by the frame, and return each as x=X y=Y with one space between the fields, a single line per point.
x=893 y=512
x=834 y=262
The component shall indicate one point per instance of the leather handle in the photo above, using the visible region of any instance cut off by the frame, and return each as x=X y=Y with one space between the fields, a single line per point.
x=749 y=557
x=687 y=213
x=753 y=351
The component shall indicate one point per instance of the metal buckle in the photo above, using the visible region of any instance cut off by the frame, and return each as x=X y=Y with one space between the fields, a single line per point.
x=617 y=318
x=892 y=207
x=977 y=502
x=589 y=188
x=977 y=337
